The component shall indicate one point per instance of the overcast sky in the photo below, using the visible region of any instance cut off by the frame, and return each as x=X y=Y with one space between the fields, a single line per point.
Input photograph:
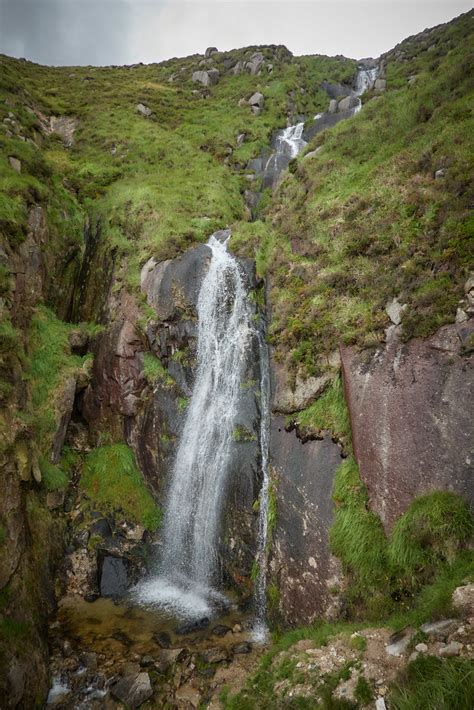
x=71 y=32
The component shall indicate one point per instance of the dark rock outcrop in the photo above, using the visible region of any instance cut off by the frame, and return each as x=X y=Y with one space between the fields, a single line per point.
x=410 y=408
x=301 y=563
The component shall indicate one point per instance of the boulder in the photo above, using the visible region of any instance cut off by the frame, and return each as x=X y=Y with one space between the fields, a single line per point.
x=169 y=656
x=380 y=85
x=206 y=77
x=289 y=399
x=255 y=64
x=348 y=103
x=451 y=649
x=133 y=690
x=113 y=577
x=210 y=51
x=394 y=309
x=15 y=164
x=409 y=406
x=215 y=655
x=463 y=599
x=256 y=102
x=144 y=110
x=332 y=106
x=238 y=68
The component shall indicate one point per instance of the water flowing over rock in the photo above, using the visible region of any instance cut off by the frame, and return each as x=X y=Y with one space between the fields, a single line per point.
x=199 y=480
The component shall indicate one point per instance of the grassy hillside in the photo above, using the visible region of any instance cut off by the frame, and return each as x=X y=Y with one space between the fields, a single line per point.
x=381 y=211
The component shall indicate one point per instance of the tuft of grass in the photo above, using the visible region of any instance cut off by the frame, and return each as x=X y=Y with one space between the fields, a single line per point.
x=434 y=683
x=363 y=693
x=154 y=370
x=328 y=413
x=357 y=536
x=431 y=532
x=112 y=481
x=52 y=476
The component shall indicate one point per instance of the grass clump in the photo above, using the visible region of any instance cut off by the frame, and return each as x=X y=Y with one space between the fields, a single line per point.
x=52 y=477
x=410 y=575
x=112 y=481
x=154 y=370
x=433 y=531
x=328 y=413
x=50 y=362
x=434 y=684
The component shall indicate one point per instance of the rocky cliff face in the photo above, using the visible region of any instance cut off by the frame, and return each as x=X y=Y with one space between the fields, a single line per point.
x=410 y=414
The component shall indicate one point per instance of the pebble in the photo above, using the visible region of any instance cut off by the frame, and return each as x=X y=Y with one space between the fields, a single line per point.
x=421 y=647
x=451 y=649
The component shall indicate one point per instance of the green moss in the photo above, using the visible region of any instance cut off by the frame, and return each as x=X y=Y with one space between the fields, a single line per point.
x=429 y=682
x=52 y=476
x=242 y=434
x=112 y=481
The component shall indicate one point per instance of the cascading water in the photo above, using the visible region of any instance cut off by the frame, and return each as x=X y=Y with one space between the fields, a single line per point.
x=260 y=627
x=188 y=567
x=290 y=140
x=365 y=80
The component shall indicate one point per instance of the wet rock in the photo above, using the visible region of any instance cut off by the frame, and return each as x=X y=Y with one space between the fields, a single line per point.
x=451 y=649
x=113 y=577
x=380 y=704
x=89 y=659
x=193 y=626
x=144 y=110
x=101 y=527
x=133 y=690
x=301 y=559
x=439 y=630
x=347 y=103
x=221 y=630
x=162 y=639
x=463 y=599
x=215 y=655
x=240 y=648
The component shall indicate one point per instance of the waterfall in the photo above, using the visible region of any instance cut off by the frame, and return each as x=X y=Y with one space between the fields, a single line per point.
x=260 y=627
x=365 y=80
x=188 y=568
x=290 y=141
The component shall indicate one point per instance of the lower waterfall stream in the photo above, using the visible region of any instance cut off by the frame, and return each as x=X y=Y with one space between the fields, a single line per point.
x=188 y=568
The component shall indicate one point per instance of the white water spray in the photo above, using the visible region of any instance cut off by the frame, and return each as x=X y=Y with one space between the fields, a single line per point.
x=189 y=562
x=290 y=141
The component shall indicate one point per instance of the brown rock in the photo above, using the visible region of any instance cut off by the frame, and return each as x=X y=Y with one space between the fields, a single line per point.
x=410 y=414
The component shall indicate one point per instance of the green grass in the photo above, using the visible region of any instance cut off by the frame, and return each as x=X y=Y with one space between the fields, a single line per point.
x=50 y=362
x=369 y=205
x=328 y=413
x=52 y=477
x=434 y=684
x=411 y=575
x=154 y=370
x=113 y=483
